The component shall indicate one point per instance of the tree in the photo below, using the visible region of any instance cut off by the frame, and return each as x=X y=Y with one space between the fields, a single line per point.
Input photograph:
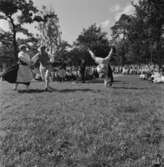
x=95 y=39
x=17 y=13
x=62 y=53
x=49 y=28
x=142 y=32
x=120 y=34
x=6 y=39
x=6 y=48
x=154 y=21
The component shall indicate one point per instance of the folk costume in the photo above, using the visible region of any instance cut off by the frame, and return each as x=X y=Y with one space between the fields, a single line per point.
x=21 y=72
x=10 y=75
x=24 y=75
x=103 y=67
x=45 y=67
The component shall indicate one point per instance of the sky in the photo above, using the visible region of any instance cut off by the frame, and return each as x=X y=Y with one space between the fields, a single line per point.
x=74 y=15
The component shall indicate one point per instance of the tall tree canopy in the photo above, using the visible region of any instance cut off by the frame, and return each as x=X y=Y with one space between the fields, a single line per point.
x=120 y=34
x=17 y=13
x=142 y=33
x=49 y=28
x=95 y=39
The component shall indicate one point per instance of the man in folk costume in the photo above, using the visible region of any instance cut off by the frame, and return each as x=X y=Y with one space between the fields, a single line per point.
x=104 y=67
x=45 y=66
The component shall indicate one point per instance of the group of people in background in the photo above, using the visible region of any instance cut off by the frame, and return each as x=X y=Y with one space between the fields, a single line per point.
x=152 y=73
x=149 y=72
x=22 y=73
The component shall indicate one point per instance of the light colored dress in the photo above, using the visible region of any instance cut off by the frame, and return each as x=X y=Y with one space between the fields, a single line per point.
x=103 y=64
x=24 y=75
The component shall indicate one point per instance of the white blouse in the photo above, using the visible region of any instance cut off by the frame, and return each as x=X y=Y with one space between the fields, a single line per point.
x=24 y=57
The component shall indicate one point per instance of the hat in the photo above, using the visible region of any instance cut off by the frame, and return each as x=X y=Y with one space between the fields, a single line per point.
x=22 y=46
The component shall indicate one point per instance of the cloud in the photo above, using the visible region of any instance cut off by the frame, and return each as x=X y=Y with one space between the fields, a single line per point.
x=129 y=10
x=116 y=8
x=135 y=1
x=105 y=24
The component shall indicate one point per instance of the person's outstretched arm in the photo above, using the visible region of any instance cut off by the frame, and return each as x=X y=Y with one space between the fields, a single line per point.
x=97 y=60
x=92 y=54
x=35 y=58
x=109 y=55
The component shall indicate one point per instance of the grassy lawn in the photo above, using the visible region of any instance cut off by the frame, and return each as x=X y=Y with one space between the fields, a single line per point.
x=81 y=125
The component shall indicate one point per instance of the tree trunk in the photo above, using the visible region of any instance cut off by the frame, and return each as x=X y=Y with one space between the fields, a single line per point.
x=15 y=46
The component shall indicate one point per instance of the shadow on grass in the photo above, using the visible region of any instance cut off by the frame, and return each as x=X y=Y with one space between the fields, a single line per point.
x=102 y=81
x=74 y=90
x=129 y=88
x=32 y=91
x=55 y=90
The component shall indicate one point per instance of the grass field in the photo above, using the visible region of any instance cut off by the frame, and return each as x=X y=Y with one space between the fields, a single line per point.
x=82 y=125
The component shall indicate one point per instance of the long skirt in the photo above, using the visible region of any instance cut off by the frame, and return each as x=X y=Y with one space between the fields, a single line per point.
x=20 y=74
x=24 y=75
x=10 y=75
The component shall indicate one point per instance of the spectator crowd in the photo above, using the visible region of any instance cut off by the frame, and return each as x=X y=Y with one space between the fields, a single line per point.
x=146 y=72
x=149 y=72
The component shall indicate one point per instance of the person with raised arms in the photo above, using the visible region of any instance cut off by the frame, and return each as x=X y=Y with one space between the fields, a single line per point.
x=104 y=67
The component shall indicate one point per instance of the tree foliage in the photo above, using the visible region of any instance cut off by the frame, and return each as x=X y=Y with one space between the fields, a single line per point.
x=49 y=28
x=95 y=39
x=6 y=47
x=62 y=55
x=17 y=13
x=140 y=35
x=6 y=39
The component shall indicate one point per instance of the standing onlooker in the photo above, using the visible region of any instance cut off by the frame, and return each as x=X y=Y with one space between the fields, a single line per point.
x=82 y=70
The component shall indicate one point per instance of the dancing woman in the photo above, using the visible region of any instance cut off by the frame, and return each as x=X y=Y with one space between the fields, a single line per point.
x=21 y=72
x=24 y=74
x=104 y=67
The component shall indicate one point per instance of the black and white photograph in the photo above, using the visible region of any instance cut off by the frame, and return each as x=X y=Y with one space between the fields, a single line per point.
x=81 y=83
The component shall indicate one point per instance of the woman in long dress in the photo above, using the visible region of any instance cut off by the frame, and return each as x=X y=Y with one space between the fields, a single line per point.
x=24 y=74
x=104 y=67
x=21 y=72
